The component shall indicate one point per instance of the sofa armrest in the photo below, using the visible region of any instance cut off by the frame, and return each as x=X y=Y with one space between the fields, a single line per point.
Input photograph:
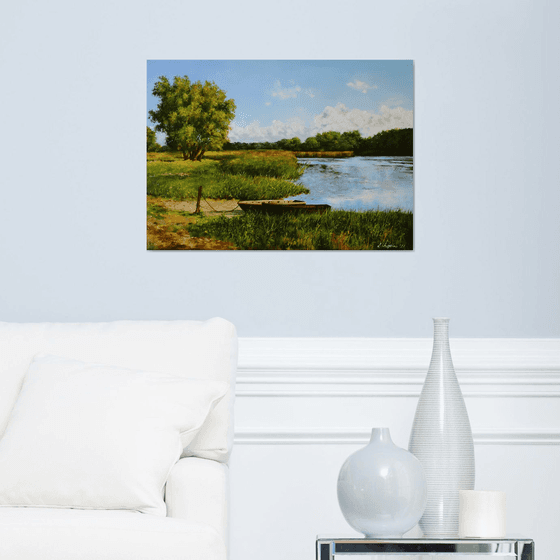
x=198 y=490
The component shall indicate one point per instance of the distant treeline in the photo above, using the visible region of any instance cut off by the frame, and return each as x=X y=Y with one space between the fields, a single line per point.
x=396 y=142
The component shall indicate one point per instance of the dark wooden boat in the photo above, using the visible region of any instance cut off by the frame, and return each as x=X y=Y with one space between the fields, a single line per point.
x=281 y=206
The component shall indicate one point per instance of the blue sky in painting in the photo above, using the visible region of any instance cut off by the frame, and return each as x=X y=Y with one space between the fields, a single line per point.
x=286 y=98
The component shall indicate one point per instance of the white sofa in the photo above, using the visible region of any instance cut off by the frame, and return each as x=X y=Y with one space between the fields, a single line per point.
x=195 y=526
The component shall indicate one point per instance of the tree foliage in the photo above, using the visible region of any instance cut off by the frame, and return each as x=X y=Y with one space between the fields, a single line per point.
x=194 y=116
x=151 y=142
x=395 y=142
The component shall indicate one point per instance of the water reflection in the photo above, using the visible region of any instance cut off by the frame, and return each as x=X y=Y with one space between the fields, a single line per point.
x=360 y=183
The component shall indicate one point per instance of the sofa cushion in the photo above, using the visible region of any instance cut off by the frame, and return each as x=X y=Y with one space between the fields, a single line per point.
x=93 y=436
x=196 y=349
x=66 y=534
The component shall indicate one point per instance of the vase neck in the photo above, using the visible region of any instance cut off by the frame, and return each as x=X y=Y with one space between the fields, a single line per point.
x=441 y=353
x=380 y=435
x=441 y=333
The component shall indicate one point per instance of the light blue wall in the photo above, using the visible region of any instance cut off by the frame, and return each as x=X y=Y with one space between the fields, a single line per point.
x=487 y=181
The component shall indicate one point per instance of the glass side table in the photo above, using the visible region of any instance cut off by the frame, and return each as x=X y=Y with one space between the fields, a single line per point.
x=331 y=548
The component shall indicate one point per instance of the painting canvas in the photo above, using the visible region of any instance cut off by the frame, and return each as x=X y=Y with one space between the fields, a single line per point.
x=280 y=155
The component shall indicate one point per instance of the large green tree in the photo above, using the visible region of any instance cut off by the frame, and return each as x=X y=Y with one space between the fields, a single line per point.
x=194 y=116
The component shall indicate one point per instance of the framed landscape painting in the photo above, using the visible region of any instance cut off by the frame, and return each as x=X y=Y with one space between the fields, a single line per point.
x=280 y=155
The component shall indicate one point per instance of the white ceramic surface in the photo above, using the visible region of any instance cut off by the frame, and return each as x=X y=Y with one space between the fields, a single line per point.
x=482 y=514
x=441 y=439
x=382 y=488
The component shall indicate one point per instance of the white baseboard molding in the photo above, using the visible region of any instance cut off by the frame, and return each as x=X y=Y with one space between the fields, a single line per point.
x=382 y=393
x=320 y=368
x=395 y=354
x=364 y=367
x=354 y=436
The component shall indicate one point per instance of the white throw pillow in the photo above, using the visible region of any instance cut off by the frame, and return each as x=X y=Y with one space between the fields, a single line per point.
x=93 y=436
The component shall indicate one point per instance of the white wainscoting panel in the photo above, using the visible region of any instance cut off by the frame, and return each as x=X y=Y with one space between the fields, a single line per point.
x=304 y=405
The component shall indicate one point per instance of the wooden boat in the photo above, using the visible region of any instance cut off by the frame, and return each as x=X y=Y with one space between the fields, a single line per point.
x=281 y=206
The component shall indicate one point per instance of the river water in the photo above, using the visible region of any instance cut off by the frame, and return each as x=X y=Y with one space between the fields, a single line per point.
x=359 y=183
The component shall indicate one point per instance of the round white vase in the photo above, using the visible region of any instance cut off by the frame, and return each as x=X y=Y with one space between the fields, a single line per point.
x=441 y=439
x=382 y=488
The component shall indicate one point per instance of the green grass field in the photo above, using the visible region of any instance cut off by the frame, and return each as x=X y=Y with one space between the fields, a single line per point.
x=337 y=229
x=261 y=175
x=225 y=175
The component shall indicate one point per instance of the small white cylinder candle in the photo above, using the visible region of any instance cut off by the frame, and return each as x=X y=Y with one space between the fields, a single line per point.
x=482 y=514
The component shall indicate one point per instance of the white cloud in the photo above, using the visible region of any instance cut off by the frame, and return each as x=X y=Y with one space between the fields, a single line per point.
x=342 y=119
x=276 y=131
x=285 y=93
x=309 y=92
x=339 y=119
x=268 y=103
x=360 y=86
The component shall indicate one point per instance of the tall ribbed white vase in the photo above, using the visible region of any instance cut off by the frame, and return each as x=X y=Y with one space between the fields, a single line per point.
x=441 y=439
